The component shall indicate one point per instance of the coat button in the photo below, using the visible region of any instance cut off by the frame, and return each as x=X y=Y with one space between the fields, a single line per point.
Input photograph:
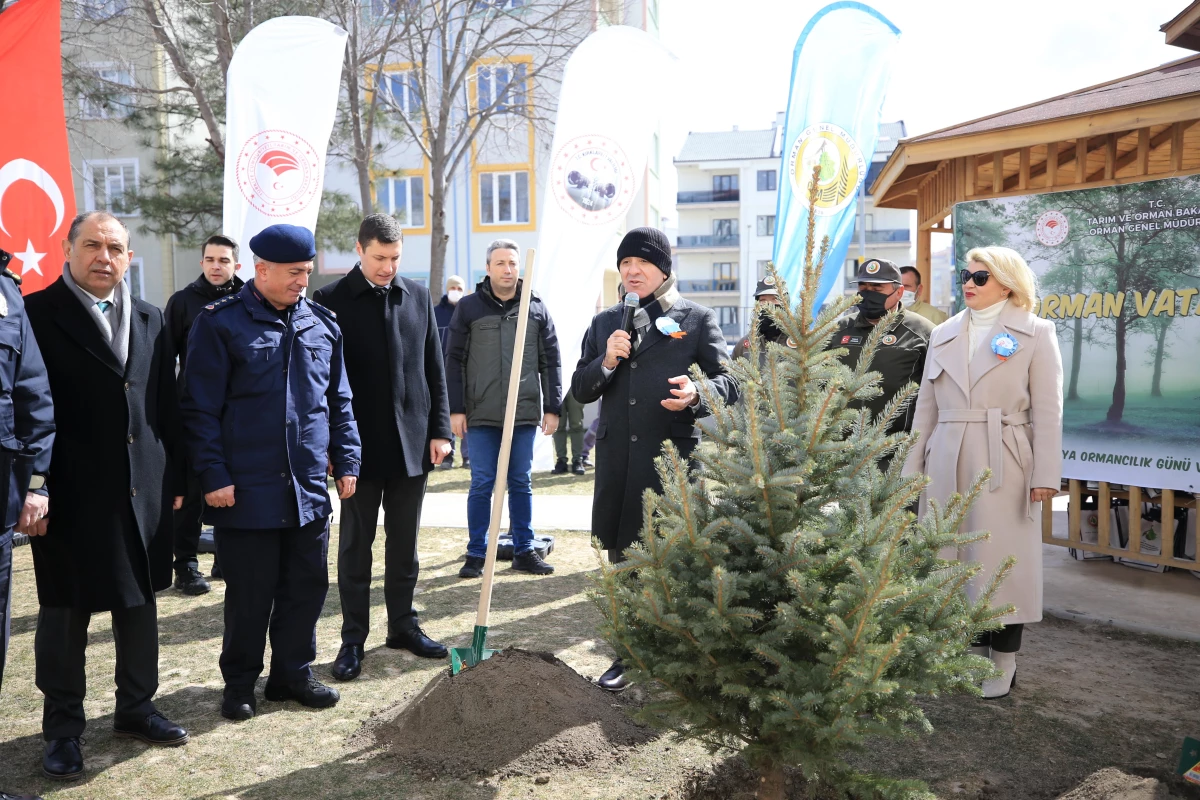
x=633 y=365
x=127 y=386
x=133 y=492
x=633 y=438
x=633 y=401
x=129 y=438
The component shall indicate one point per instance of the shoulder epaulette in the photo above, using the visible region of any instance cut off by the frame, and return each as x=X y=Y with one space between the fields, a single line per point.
x=5 y=257
x=224 y=302
x=320 y=307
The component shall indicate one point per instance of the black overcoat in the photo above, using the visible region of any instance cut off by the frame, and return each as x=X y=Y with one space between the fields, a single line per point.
x=115 y=460
x=633 y=423
x=408 y=358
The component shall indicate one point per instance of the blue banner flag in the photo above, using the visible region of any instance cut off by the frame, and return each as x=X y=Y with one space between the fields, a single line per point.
x=840 y=72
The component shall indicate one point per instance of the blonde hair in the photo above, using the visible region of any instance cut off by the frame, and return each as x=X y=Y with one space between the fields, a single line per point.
x=1007 y=267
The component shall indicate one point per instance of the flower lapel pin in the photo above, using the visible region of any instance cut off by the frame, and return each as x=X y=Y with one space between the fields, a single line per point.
x=1004 y=345
x=669 y=327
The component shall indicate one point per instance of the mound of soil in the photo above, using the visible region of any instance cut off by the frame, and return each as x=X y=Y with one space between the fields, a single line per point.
x=1112 y=784
x=518 y=713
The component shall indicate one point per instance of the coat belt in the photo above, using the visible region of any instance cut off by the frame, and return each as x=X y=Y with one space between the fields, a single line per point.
x=995 y=421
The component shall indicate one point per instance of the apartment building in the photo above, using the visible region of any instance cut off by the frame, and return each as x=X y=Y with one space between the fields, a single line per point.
x=497 y=193
x=726 y=205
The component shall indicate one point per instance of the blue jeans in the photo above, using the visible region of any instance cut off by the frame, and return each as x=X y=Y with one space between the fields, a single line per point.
x=485 y=452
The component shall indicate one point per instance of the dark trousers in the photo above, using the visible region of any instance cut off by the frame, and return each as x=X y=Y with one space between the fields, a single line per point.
x=5 y=596
x=1005 y=640
x=275 y=582
x=401 y=498
x=187 y=525
x=59 y=646
x=570 y=426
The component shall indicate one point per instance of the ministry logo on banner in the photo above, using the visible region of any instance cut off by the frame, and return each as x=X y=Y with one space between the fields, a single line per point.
x=840 y=159
x=593 y=180
x=278 y=173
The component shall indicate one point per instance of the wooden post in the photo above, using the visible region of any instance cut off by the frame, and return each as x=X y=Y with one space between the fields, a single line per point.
x=1167 y=509
x=1110 y=157
x=1143 y=151
x=924 y=258
x=1051 y=164
x=1023 y=170
x=1074 y=512
x=1104 y=524
x=1081 y=159
x=1135 y=520
x=997 y=172
x=1176 y=147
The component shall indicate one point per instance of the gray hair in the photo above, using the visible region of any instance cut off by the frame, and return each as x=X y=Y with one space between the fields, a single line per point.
x=77 y=224
x=503 y=244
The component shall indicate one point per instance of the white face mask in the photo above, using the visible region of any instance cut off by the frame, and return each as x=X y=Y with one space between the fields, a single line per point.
x=908 y=298
x=454 y=295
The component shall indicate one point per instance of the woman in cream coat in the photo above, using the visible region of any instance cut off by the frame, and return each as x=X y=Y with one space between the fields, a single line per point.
x=991 y=397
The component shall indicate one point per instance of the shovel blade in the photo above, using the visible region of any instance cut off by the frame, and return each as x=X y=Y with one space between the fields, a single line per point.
x=463 y=657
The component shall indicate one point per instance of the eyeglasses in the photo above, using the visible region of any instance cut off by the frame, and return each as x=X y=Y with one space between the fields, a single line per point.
x=980 y=278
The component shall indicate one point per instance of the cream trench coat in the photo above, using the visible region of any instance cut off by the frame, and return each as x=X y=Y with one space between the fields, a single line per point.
x=1006 y=415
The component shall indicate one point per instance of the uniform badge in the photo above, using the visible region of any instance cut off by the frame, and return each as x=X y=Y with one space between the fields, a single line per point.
x=669 y=327
x=889 y=339
x=769 y=280
x=210 y=306
x=872 y=267
x=3 y=306
x=791 y=343
x=1004 y=345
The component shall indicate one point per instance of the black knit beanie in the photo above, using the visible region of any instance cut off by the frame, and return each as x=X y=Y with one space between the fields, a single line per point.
x=648 y=243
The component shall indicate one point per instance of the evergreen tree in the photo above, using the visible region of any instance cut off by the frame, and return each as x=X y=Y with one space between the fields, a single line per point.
x=783 y=600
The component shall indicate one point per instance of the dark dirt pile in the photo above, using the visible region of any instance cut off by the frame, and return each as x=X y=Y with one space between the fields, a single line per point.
x=518 y=713
x=1112 y=784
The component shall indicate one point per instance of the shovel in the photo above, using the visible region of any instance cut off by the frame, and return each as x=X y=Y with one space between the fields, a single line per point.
x=463 y=657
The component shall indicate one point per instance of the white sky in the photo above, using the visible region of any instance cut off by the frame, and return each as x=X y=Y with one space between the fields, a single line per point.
x=957 y=60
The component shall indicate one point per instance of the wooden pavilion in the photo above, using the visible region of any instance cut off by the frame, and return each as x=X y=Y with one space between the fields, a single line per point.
x=1136 y=128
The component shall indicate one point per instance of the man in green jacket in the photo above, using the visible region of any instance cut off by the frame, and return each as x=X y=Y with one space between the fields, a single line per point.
x=478 y=362
x=910 y=277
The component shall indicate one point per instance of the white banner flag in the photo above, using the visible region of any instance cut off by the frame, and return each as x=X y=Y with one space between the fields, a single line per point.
x=281 y=99
x=613 y=90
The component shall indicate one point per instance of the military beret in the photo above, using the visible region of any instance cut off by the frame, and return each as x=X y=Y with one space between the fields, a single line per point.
x=284 y=244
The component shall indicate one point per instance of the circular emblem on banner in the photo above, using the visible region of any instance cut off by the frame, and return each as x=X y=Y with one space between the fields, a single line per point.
x=872 y=267
x=592 y=179
x=1052 y=228
x=841 y=161
x=889 y=339
x=278 y=173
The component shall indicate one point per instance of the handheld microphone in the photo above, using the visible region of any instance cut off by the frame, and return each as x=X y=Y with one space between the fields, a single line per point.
x=631 y=307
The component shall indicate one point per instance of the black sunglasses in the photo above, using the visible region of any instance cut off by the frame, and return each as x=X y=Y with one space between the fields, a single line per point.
x=980 y=277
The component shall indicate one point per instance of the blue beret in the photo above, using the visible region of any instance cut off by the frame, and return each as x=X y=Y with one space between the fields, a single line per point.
x=284 y=244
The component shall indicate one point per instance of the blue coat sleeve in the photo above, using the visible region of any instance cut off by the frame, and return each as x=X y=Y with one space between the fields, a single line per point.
x=34 y=418
x=345 y=446
x=205 y=385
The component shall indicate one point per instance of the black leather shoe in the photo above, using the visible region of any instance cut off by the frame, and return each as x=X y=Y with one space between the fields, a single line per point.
x=577 y=467
x=9 y=796
x=614 y=679
x=416 y=642
x=532 y=563
x=239 y=705
x=62 y=760
x=153 y=729
x=348 y=664
x=191 y=582
x=560 y=467
x=312 y=693
x=473 y=568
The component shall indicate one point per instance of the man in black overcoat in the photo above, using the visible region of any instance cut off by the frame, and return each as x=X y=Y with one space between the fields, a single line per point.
x=114 y=470
x=648 y=396
x=218 y=278
x=394 y=363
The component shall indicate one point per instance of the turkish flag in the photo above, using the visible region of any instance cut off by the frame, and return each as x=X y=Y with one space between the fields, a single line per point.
x=37 y=199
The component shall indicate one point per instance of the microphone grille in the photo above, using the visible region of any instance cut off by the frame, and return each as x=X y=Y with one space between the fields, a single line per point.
x=631 y=299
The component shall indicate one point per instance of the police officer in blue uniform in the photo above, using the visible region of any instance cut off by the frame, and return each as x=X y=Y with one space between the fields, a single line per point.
x=26 y=436
x=266 y=407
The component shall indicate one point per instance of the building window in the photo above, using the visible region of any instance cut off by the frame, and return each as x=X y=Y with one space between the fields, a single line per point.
x=724 y=228
x=724 y=276
x=652 y=7
x=110 y=186
x=502 y=85
x=727 y=318
x=497 y=5
x=766 y=226
x=106 y=101
x=404 y=91
x=609 y=11
x=725 y=183
x=762 y=268
x=766 y=180
x=100 y=9
x=403 y=198
x=503 y=198
x=134 y=277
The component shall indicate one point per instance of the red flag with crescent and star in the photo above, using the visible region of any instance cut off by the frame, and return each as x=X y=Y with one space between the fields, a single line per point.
x=37 y=199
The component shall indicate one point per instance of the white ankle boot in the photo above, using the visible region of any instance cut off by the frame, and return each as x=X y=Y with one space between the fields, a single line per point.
x=996 y=688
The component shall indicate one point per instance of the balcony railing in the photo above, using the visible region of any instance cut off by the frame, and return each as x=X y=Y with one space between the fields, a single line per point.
x=713 y=196
x=728 y=240
x=883 y=237
x=727 y=285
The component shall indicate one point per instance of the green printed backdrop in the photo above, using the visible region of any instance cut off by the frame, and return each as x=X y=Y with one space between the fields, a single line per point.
x=1119 y=275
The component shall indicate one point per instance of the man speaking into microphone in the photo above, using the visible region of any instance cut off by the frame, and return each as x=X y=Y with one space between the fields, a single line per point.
x=642 y=374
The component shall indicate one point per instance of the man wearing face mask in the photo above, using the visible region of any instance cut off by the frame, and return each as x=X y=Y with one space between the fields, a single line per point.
x=444 y=312
x=765 y=296
x=911 y=278
x=900 y=359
